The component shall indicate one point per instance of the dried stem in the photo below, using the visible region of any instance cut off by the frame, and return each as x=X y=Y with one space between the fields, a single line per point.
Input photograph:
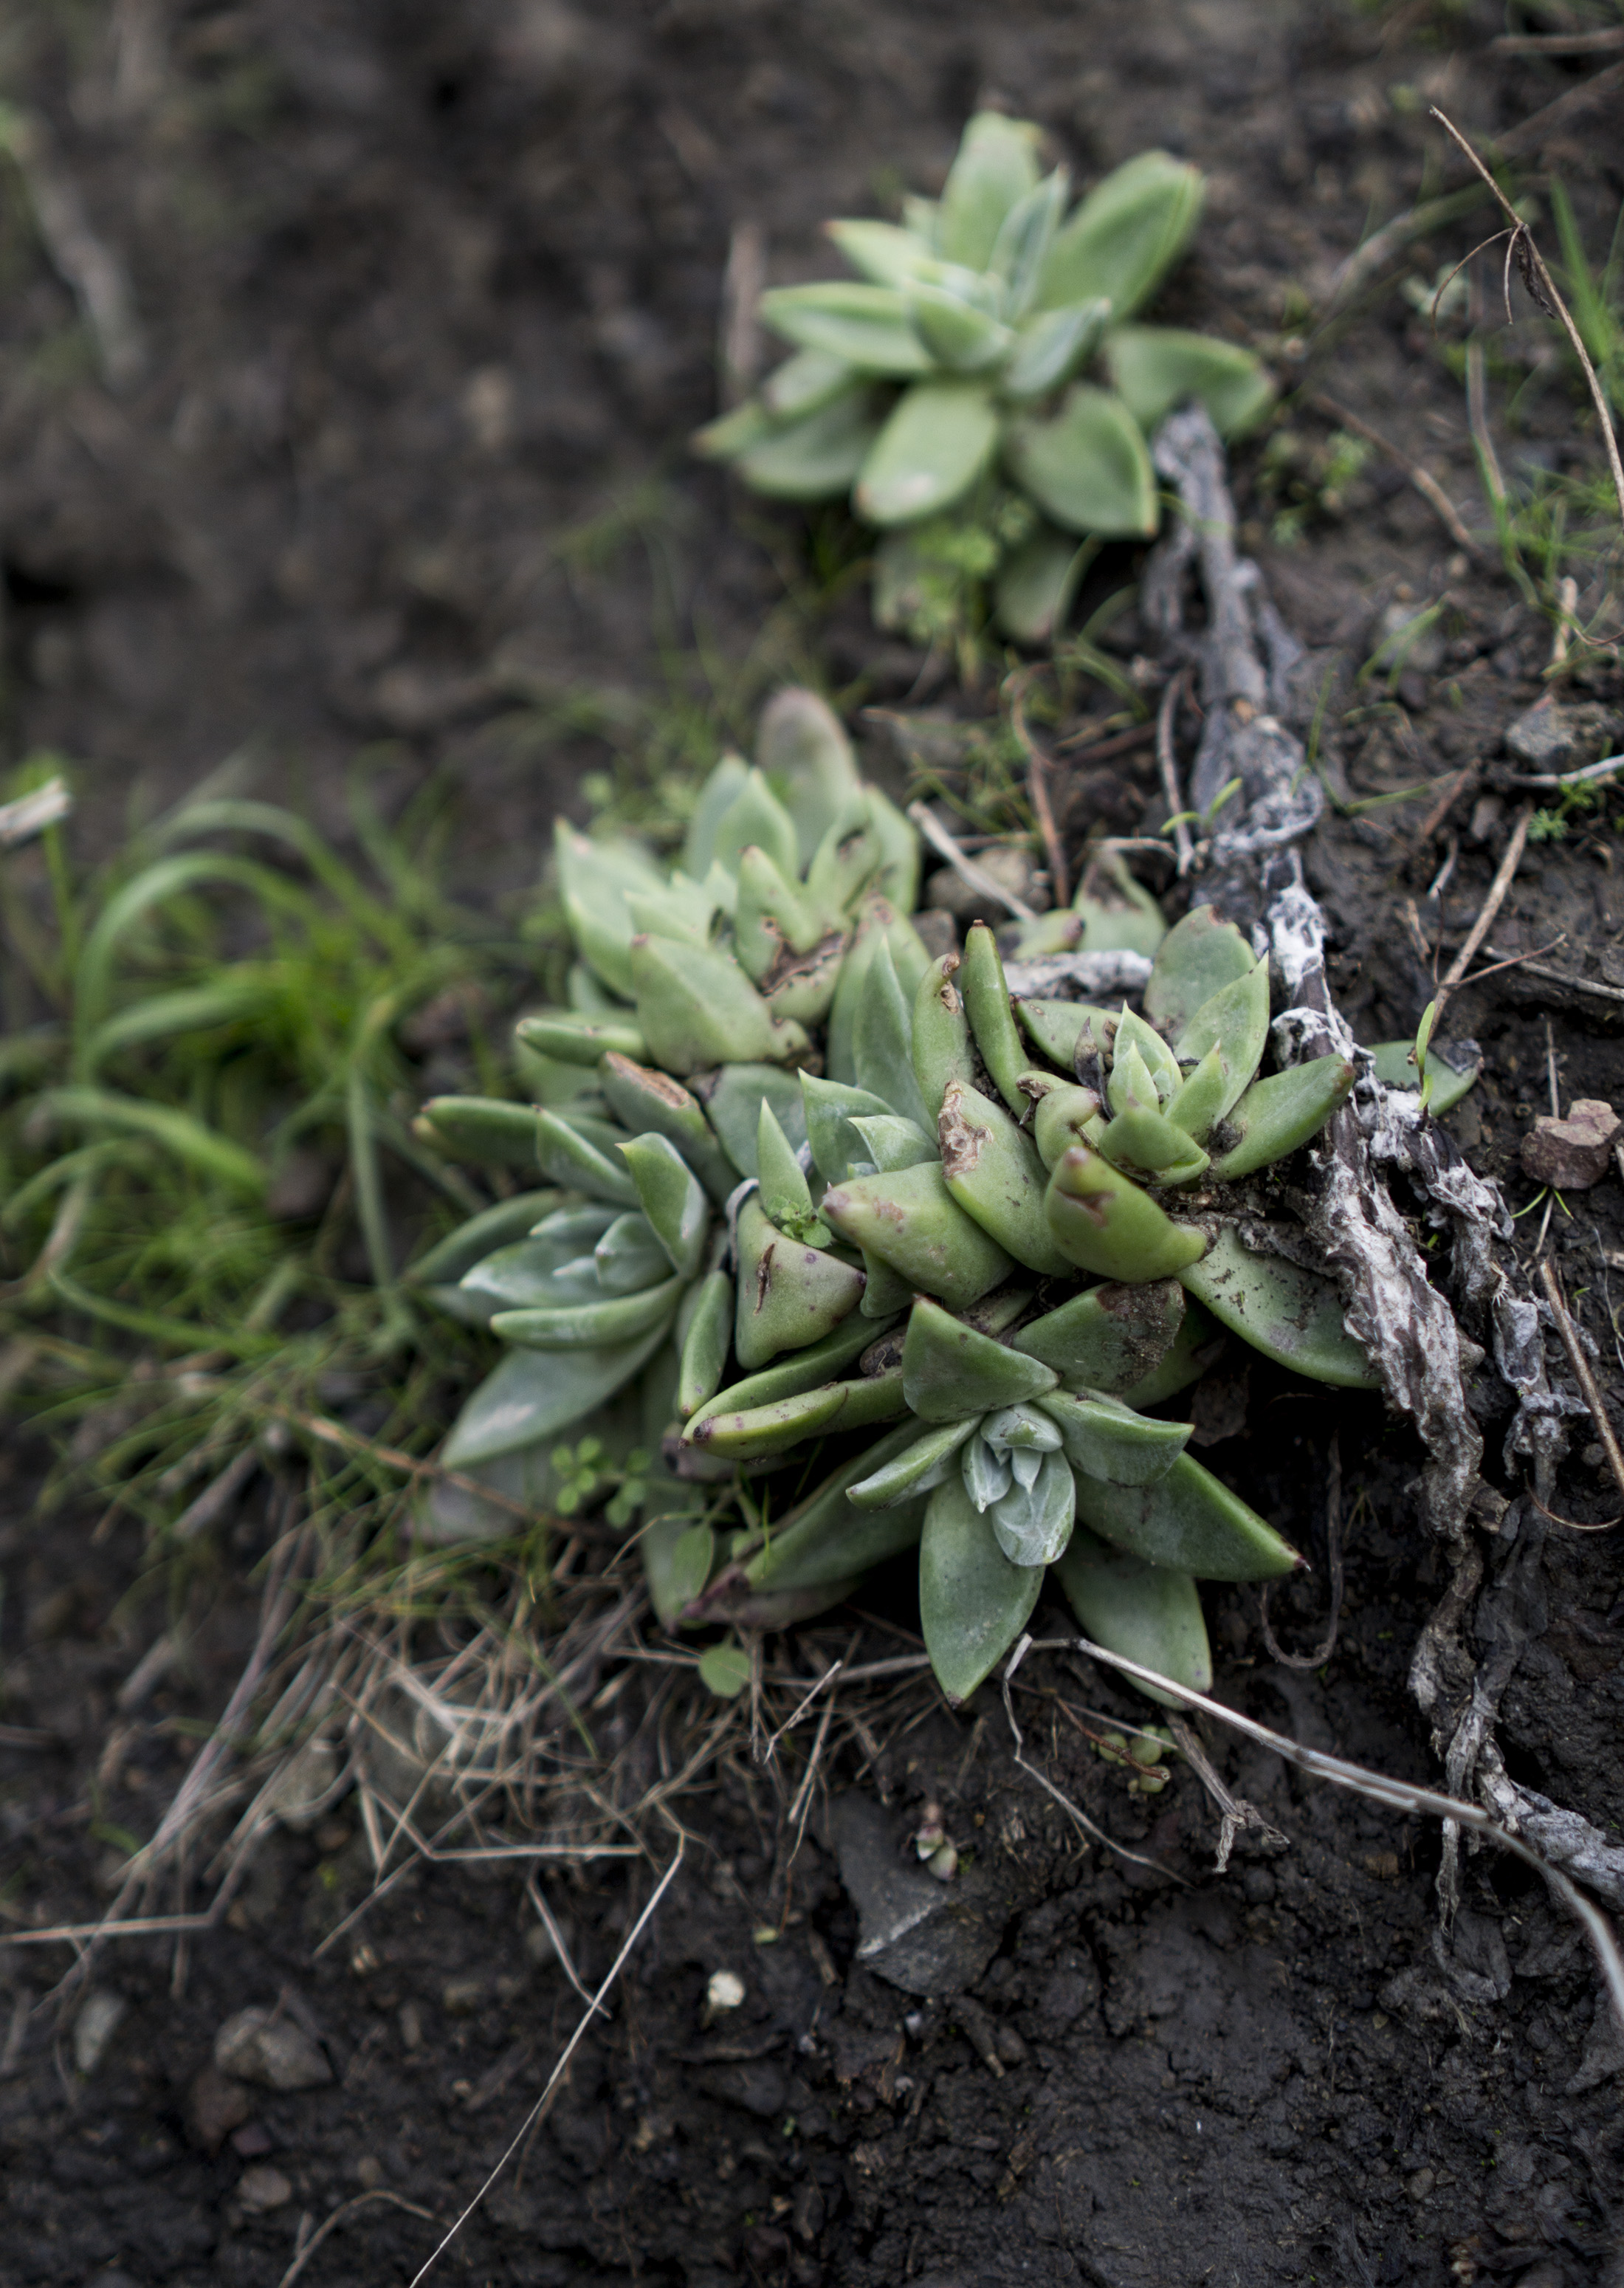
x=1587 y=1383
x=1167 y=763
x=965 y=867
x=1425 y=484
x=1491 y=904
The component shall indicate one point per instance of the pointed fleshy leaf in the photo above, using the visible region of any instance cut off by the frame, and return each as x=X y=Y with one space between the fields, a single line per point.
x=1026 y=1427
x=1088 y=466
x=484 y=1129
x=789 y=1295
x=818 y=456
x=1131 y=1087
x=882 y=1042
x=533 y=1394
x=1133 y=1033
x=533 y=1273
x=732 y=1101
x=787 y=1377
x=1036 y=583
x=576 y=1039
x=936 y=441
x=950 y=1370
x=481 y=1236
x=706 y=1340
x=1156 y=367
x=942 y=1049
x=877 y=921
x=672 y=1199
x=771 y=913
x=583 y=1325
x=890 y=1141
x=973 y=1603
x=804 y=384
x=628 y=1257
x=1023 y=239
x=1031 y=1524
x=898 y=883
x=1150 y=1614
x=987 y=1475
x=1103 y=1222
x=803 y=986
x=803 y=750
x=785 y=1192
x=1050 y=347
x=1291 y=1316
x=887 y=1291
x=993 y=1171
x=844 y=865
x=644 y=1100
x=996 y=166
x=1144 y=1142
x=1109 y=1337
x=825 y=1539
x=867 y=326
x=566 y=1155
x=1108 y=1440
x=717 y=798
x=699 y=1009
x=594 y=877
x=911 y=1221
x=1194 y=1104
x=733 y=433
x=1124 y=237
x=1067 y=1030
x=1235 y=1022
x=757 y=1433
x=829 y=1109
x=1196 y=1347
x=1189 y=1520
x=756 y=818
x=1197 y=959
x=921 y=1465
x=1277 y=1115
x=883 y=253
x=986 y=1001
x=958 y=334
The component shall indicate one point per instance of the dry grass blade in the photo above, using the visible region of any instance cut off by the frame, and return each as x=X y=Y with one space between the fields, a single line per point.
x=1587 y=1385
x=570 y=2047
x=1540 y=282
x=1167 y=763
x=974 y=876
x=1376 y=1787
x=1425 y=484
x=1551 y=976
x=347 y=2209
x=1491 y=904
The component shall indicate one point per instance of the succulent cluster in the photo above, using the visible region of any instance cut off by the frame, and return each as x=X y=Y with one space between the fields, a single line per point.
x=894 y=1257
x=942 y=392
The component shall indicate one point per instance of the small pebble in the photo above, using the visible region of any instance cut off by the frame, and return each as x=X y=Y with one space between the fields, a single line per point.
x=726 y=1991
x=260 y=2189
x=368 y=2171
x=460 y=1998
x=100 y=2015
x=1421 y=2184
x=257 y=2046
x=1574 y=1154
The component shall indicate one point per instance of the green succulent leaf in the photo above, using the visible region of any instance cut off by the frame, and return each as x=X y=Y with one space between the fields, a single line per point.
x=788 y=1376
x=910 y=1220
x=942 y=1047
x=1103 y=1222
x=829 y=1109
x=1156 y=367
x=717 y=798
x=802 y=752
x=706 y=1339
x=628 y=1257
x=951 y=1371
x=890 y=1141
x=484 y=1129
x=986 y=999
x=788 y=1295
x=568 y=1326
x=577 y=1039
x=1086 y=466
x=533 y=1394
x=1198 y=957
x=1120 y=241
x=1109 y=1337
x=698 y=1008
x=1194 y=1349
x=678 y=1211
x=1037 y=584
x=1050 y=347
x=754 y=1433
x=882 y=1042
x=1189 y=1520
x=973 y=1602
x=1155 y=1147
x=1032 y=1523
x=816 y=456
x=867 y=326
x=646 y=1102
x=883 y=253
x=1068 y=1031
x=1151 y=1614
x=1136 y=1038
x=756 y=819
x=993 y=1171
x=957 y=333
x=1291 y=1316
x=481 y=1236
x=734 y=1102
x=785 y=1192
x=937 y=440
x=1395 y=1068
x=595 y=878
x=1277 y=1115
x=1025 y=237
x=1235 y=1022
x=1107 y=1440
x=997 y=168
x=1119 y=914
x=804 y=384
x=911 y=1473
x=1194 y=1104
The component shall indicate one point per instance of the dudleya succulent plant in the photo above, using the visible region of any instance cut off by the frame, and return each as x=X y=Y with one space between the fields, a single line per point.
x=947 y=379
x=898 y=1258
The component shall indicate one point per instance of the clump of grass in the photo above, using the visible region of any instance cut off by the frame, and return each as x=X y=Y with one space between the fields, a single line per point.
x=194 y=1031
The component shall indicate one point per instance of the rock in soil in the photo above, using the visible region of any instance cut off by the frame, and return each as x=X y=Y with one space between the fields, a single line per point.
x=258 y=2045
x=1572 y=1154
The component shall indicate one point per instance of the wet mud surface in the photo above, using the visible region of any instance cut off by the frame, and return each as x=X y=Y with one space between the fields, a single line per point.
x=427 y=299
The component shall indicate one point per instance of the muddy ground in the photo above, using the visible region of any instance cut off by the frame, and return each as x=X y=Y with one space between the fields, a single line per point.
x=424 y=300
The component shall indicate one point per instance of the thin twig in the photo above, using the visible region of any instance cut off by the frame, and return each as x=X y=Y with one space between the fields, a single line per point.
x=1425 y=484
x=834 y=1670
x=1583 y=1376
x=975 y=877
x=1552 y=977
x=1491 y=904
x=1396 y=1795
x=1559 y=43
x=1038 y=767
x=1167 y=763
x=571 y=2046
x=1554 y=781
x=1048 y=1785
x=1235 y=1813
x=1533 y=267
x=1453 y=789
x=348 y=2208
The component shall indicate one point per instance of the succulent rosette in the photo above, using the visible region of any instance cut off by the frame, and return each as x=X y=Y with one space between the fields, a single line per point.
x=951 y=374
x=876 y=1253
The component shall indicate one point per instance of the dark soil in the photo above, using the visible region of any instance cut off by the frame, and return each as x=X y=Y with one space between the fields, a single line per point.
x=430 y=299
